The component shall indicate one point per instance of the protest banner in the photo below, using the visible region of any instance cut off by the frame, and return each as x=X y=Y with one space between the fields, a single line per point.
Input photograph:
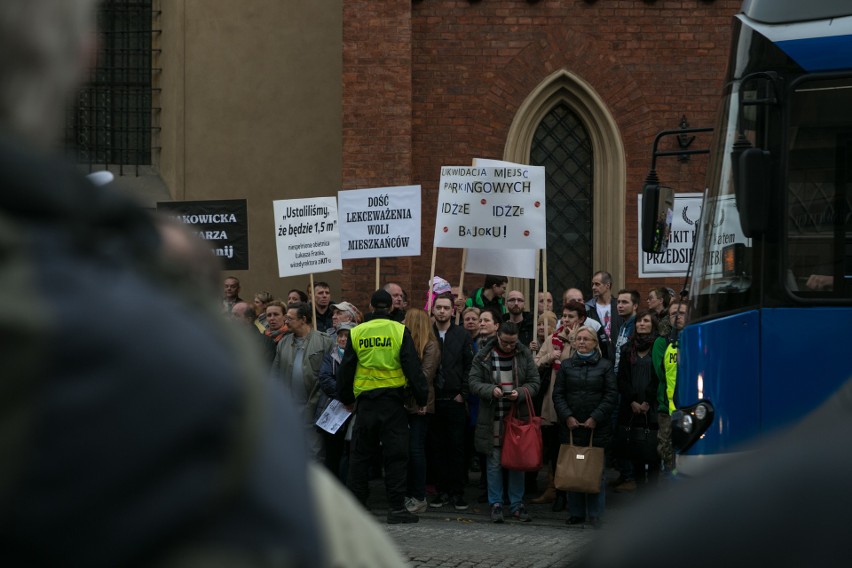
x=223 y=224
x=674 y=261
x=518 y=263
x=512 y=263
x=491 y=207
x=306 y=236
x=379 y=222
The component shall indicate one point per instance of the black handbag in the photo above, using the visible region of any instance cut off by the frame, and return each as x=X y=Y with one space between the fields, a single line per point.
x=636 y=443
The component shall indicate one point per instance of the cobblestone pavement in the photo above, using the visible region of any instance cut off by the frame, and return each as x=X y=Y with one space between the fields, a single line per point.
x=461 y=542
x=445 y=537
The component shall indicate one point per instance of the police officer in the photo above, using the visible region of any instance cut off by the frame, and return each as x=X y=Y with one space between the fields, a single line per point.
x=379 y=361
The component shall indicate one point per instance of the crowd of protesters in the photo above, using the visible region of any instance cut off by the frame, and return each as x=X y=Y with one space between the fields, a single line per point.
x=605 y=366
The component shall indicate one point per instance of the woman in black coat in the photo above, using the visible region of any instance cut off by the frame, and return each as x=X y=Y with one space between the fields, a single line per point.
x=636 y=438
x=585 y=396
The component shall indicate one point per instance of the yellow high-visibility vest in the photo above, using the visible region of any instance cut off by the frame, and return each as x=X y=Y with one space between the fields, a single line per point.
x=670 y=365
x=377 y=344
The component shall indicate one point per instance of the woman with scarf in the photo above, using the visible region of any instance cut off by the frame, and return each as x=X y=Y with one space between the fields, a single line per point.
x=637 y=416
x=553 y=352
x=275 y=326
x=502 y=373
x=585 y=396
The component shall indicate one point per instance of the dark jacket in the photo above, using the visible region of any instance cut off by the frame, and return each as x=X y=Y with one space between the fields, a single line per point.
x=526 y=329
x=148 y=427
x=456 y=358
x=327 y=379
x=324 y=322
x=583 y=389
x=409 y=363
x=482 y=385
x=637 y=387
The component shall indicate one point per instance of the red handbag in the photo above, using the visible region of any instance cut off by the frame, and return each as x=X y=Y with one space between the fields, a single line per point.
x=522 y=448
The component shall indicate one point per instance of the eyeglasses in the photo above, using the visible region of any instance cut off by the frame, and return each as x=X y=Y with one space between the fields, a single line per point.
x=509 y=345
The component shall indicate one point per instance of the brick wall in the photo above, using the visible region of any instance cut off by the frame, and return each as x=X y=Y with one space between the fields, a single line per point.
x=470 y=67
x=377 y=128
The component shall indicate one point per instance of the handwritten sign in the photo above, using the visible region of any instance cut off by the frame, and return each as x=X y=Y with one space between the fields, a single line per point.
x=380 y=222
x=306 y=235
x=491 y=208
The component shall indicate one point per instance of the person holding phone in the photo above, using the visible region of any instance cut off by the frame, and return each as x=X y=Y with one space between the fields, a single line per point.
x=503 y=372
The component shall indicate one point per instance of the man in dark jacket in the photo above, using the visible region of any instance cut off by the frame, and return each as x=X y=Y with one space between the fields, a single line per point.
x=517 y=315
x=378 y=363
x=448 y=423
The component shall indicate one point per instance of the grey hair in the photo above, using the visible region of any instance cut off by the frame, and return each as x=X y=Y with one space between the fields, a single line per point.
x=43 y=52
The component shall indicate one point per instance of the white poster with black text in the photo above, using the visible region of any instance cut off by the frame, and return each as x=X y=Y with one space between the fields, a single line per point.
x=306 y=236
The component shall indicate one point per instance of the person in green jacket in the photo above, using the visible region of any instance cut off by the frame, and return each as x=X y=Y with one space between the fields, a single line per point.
x=491 y=294
x=664 y=358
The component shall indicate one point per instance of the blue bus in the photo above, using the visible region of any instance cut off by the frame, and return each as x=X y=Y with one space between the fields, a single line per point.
x=770 y=292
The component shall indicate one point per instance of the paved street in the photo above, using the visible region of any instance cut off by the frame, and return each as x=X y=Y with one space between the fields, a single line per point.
x=445 y=537
x=472 y=540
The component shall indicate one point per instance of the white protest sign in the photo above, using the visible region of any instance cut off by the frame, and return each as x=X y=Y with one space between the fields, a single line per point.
x=515 y=263
x=674 y=261
x=519 y=263
x=306 y=236
x=380 y=222
x=491 y=208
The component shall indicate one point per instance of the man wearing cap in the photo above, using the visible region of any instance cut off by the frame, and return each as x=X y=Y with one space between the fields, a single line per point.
x=378 y=363
x=342 y=312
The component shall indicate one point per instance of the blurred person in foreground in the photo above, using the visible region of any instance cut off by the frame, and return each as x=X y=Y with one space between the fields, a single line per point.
x=147 y=433
x=742 y=505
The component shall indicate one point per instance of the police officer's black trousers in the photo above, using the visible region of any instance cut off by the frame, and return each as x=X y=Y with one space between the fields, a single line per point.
x=380 y=420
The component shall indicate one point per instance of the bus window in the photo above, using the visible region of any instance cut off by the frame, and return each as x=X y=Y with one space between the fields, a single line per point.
x=713 y=290
x=819 y=191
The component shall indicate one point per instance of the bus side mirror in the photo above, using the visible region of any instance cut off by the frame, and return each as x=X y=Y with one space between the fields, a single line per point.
x=751 y=187
x=657 y=209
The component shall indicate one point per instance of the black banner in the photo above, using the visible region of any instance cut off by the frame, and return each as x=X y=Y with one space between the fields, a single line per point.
x=224 y=224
